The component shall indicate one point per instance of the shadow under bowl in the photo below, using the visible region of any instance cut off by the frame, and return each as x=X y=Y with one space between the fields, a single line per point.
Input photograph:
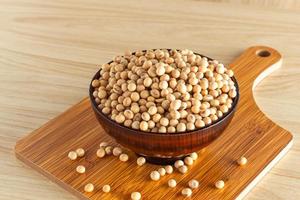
x=163 y=148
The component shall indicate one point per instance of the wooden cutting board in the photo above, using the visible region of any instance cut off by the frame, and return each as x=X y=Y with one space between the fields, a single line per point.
x=250 y=134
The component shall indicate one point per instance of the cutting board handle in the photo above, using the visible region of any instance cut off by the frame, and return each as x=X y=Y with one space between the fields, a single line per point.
x=254 y=64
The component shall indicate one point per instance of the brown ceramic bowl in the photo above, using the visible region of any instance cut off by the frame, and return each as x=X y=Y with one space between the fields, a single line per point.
x=163 y=148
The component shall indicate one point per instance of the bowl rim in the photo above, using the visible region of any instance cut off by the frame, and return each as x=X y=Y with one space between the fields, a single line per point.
x=202 y=129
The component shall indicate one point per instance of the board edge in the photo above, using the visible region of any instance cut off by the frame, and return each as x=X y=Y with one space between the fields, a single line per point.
x=50 y=177
x=260 y=176
x=20 y=141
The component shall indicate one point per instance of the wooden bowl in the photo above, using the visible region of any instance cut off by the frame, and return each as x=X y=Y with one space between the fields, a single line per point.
x=163 y=148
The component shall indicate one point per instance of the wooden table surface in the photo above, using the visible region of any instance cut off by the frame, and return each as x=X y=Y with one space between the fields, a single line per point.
x=49 y=50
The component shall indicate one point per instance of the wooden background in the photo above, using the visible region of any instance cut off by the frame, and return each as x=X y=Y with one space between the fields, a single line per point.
x=49 y=50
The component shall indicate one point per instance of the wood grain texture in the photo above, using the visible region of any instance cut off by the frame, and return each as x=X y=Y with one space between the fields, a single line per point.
x=250 y=134
x=49 y=51
x=282 y=4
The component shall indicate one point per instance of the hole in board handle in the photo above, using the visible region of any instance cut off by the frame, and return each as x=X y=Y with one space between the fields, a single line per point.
x=263 y=53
